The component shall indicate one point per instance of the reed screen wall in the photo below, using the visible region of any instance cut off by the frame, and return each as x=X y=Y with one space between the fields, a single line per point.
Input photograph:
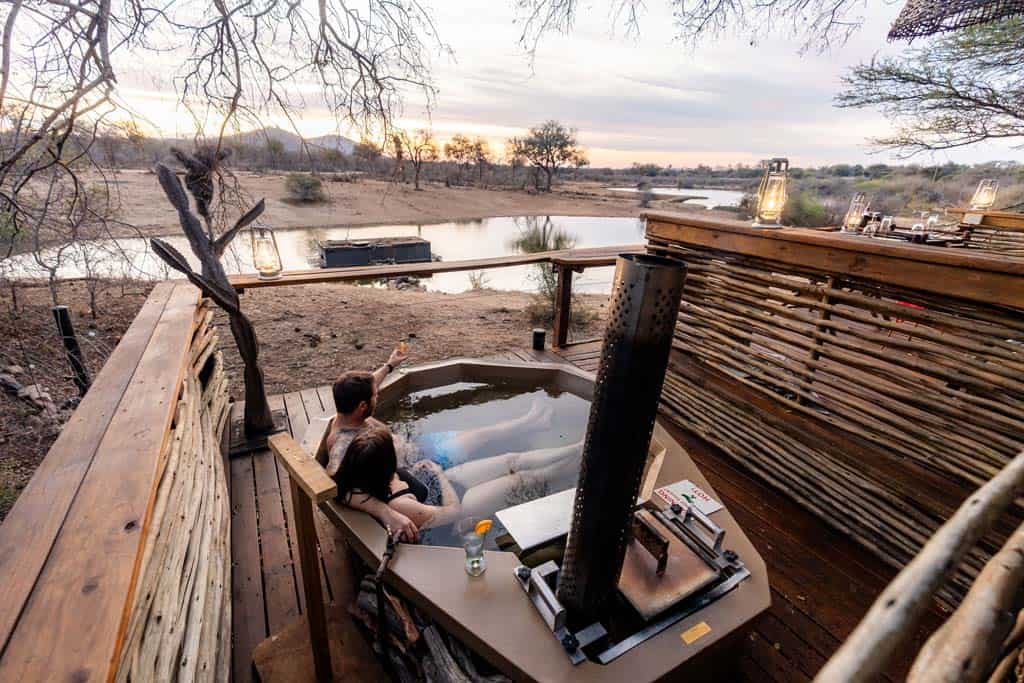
x=180 y=625
x=878 y=407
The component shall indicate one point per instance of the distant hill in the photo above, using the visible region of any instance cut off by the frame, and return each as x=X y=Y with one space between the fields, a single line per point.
x=291 y=142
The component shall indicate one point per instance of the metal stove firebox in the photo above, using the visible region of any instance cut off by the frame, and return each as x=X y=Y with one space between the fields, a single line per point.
x=643 y=309
x=674 y=556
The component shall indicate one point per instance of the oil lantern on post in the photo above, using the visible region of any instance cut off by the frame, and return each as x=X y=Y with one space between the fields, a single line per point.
x=858 y=207
x=771 y=195
x=265 y=254
x=985 y=195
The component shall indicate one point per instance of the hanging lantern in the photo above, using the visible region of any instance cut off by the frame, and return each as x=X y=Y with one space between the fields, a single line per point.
x=858 y=207
x=771 y=195
x=985 y=195
x=265 y=254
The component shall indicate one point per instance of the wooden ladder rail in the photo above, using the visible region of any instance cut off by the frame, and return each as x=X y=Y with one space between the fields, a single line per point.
x=964 y=647
x=310 y=486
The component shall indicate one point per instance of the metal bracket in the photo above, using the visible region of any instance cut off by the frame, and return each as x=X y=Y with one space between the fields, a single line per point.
x=539 y=586
x=693 y=526
x=699 y=601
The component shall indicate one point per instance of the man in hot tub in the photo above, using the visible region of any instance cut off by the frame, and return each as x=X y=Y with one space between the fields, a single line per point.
x=355 y=399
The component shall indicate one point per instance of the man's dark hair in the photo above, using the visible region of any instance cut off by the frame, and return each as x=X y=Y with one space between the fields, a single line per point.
x=350 y=389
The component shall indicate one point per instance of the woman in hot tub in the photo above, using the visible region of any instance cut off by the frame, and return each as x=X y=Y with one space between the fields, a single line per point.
x=431 y=496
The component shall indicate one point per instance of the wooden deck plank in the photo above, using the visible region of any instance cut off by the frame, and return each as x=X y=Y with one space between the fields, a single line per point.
x=74 y=619
x=798 y=652
x=324 y=396
x=32 y=525
x=279 y=581
x=248 y=609
x=818 y=575
x=297 y=423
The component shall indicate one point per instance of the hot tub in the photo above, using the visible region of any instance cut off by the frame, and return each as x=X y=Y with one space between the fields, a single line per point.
x=490 y=613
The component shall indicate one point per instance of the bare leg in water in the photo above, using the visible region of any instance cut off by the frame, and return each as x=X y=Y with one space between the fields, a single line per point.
x=475 y=472
x=480 y=441
x=484 y=499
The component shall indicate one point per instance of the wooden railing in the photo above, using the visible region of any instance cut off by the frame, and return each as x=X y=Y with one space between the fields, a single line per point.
x=878 y=384
x=999 y=232
x=975 y=643
x=580 y=258
x=564 y=261
x=77 y=550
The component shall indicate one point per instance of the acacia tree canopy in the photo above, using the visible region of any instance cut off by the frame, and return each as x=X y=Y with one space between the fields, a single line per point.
x=818 y=23
x=240 y=62
x=548 y=147
x=955 y=90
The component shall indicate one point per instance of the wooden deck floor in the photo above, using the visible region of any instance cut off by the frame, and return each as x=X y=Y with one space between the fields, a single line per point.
x=822 y=583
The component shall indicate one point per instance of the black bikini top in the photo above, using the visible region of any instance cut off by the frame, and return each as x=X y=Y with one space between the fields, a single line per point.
x=412 y=486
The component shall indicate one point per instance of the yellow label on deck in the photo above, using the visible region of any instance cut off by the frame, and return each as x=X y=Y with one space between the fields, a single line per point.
x=695 y=633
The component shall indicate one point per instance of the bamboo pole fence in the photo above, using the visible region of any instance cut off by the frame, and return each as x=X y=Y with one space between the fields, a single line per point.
x=973 y=641
x=925 y=393
x=180 y=625
x=1009 y=243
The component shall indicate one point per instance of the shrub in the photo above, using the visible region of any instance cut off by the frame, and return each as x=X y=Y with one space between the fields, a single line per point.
x=305 y=188
x=807 y=211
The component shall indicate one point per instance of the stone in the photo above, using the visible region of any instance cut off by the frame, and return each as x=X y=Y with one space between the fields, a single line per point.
x=35 y=393
x=14 y=369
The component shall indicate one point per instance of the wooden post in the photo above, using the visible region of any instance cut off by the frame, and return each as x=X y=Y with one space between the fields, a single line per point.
x=309 y=563
x=310 y=486
x=74 y=351
x=563 y=305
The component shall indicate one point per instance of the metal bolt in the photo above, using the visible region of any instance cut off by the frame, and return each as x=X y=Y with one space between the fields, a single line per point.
x=730 y=555
x=570 y=643
x=523 y=573
x=677 y=508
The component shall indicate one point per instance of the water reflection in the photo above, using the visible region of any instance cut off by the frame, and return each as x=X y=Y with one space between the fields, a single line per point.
x=452 y=241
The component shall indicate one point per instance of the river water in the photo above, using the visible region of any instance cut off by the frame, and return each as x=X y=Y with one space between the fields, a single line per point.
x=452 y=241
x=706 y=197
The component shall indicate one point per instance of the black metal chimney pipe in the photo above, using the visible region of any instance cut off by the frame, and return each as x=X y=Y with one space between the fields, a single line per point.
x=642 y=316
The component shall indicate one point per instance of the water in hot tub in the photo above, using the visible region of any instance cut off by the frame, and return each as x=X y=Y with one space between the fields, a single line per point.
x=499 y=444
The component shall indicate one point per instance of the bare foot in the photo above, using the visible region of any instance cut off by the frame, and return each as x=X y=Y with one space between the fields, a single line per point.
x=539 y=416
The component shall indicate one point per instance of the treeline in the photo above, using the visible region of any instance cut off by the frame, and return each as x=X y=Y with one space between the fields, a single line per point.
x=551 y=151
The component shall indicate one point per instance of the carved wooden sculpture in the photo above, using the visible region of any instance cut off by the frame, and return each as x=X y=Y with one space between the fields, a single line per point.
x=212 y=279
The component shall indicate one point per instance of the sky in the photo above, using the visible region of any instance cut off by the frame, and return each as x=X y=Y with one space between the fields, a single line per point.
x=645 y=100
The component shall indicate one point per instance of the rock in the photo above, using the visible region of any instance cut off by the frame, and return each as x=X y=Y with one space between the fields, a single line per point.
x=14 y=369
x=10 y=384
x=35 y=393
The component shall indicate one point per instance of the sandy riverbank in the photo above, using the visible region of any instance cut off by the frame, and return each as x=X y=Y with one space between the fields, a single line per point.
x=373 y=202
x=376 y=202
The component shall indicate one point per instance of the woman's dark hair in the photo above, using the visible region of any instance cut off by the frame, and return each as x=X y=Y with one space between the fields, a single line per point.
x=368 y=465
x=351 y=389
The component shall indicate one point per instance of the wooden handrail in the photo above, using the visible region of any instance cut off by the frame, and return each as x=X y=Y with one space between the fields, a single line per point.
x=995 y=220
x=968 y=645
x=302 y=468
x=891 y=621
x=961 y=273
x=588 y=257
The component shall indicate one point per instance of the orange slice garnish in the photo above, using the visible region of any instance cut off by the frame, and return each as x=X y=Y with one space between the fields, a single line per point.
x=483 y=526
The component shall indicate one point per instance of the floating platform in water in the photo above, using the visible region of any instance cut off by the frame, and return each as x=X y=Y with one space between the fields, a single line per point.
x=345 y=253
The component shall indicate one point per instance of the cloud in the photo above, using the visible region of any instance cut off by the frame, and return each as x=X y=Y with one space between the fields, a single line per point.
x=640 y=100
